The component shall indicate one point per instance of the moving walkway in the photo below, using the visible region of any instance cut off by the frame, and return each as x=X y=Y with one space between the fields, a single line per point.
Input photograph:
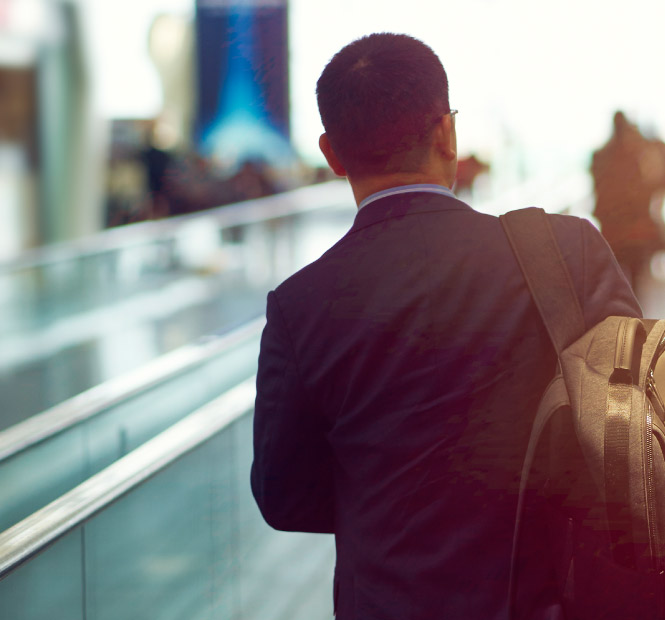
x=77 y=314
x=167 y=531
x=50 y=453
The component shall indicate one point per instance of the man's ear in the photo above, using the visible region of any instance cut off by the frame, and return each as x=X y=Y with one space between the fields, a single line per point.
x=331 y=158
x=445 y=138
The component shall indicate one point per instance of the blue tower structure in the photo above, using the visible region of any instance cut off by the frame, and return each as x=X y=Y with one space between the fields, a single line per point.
x=243 y=95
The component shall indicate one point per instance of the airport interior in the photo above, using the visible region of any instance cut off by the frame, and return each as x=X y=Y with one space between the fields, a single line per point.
x=136 y=253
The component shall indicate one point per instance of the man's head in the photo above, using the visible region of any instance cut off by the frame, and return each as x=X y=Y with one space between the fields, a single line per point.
x=380 y=99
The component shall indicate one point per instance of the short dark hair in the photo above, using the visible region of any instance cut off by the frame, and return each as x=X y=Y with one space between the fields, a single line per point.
x=379 y=98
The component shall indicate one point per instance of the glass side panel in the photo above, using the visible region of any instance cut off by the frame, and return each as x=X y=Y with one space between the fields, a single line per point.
x=40 y=474
x=188 y=543
x=49 y=587
x=35 y=477
x=150 y=555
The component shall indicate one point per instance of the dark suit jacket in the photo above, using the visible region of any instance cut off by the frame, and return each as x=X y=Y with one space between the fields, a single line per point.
x=398 y=378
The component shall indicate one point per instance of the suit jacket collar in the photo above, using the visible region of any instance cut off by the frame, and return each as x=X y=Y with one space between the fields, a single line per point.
x=405 y=204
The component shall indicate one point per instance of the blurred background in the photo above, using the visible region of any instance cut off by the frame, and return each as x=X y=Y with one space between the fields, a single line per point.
x=159 y=174
x=109 y=110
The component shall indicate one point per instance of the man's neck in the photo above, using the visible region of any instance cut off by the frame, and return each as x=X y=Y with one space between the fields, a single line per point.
x=371 y=185
x=362 y=188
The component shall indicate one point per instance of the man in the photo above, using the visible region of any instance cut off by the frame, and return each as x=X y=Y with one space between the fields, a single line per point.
x=399 y=374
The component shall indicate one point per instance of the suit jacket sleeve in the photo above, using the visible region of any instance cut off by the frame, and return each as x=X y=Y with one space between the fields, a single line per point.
x=606 y=291
x=291 y=475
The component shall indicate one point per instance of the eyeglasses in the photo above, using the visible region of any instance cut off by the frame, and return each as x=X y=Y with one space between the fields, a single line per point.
x=436 y=120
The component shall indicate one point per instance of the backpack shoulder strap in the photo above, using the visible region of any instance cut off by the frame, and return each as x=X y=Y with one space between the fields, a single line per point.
x=535 y=247
x=554 y=399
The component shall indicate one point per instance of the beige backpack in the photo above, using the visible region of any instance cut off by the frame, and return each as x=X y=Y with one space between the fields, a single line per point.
x=596 y=449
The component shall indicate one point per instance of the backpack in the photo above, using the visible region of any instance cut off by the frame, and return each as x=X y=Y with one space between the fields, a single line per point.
x=595 y=454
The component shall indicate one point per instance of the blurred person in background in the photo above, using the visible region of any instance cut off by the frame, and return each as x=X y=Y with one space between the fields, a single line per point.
x=252 y=180
x=629 y=181
x=157 y=160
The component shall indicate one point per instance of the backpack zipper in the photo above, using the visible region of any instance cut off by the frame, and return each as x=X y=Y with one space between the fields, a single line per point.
x=654 y=404
x=652 y=521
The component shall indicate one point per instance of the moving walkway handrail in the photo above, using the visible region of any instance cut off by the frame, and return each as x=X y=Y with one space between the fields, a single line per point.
x=309 y=198
x=42 y=528
x=303 y=199
x=114 y=391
